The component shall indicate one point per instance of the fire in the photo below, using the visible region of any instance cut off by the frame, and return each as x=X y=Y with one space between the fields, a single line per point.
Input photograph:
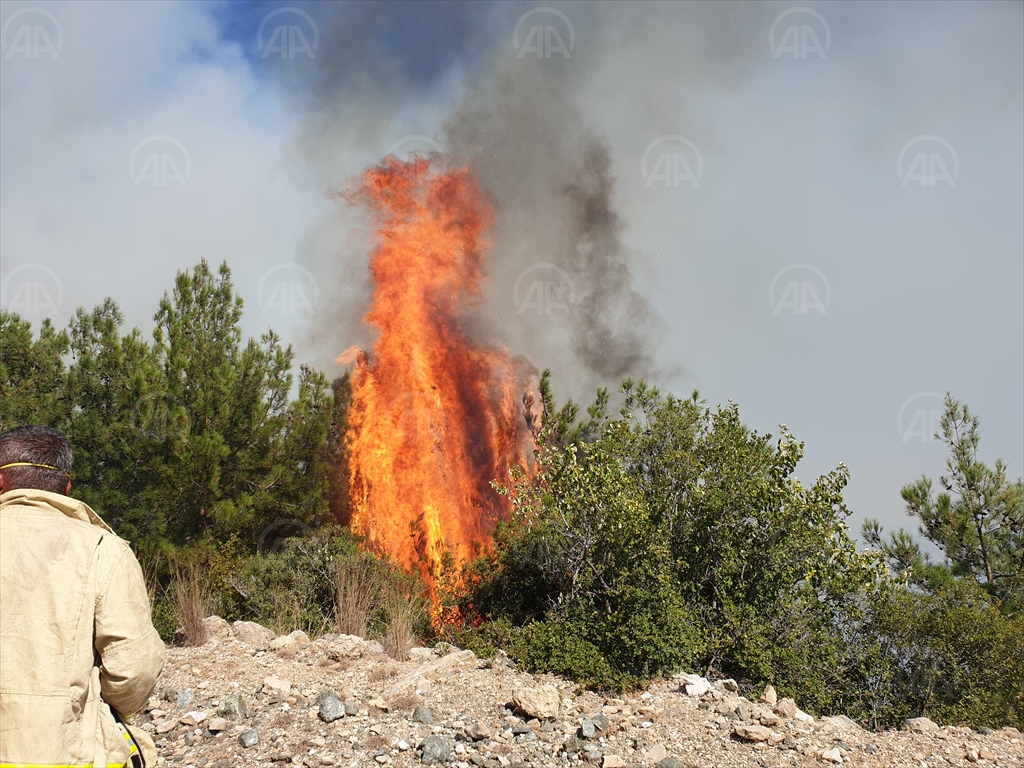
x=434 y=418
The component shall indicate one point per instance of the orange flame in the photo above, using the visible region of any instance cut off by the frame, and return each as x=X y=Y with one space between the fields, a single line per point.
x=434 y=418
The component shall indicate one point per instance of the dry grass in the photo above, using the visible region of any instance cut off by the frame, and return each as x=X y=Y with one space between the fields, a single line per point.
x=403 y=702
x=375 y=741
x=400 y=615
x=381 y=673
x=358 y=584
x=193 y=602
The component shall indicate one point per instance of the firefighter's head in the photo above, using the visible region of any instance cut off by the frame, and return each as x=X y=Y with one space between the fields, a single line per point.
x=35 y=457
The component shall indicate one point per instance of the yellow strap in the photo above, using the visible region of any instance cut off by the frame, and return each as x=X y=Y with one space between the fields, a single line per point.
x=31 y=464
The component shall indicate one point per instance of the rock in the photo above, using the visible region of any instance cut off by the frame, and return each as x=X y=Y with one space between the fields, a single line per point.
x=478 y=731
x=832 y=756
x=278 y=685
x=250 y=737
x=193 y=718
x=769 y=696
x=421 y=655
x=251 y=633
x=587 y=730
x=438 y=668
x=670 y=762
x=434 y=750
x=345 y=647
x=351 y=707
x=920 y=725
x=786 y=708
x=300 y=638
x=728 y=685
x=217 y=725
x=656 y=754
x=281 y=643
x=502 y=662
x=789 y=743
x=572 y=746
x=613 y=761
x=751 y=732
x=331 y=707
x=222 y=763
x=233 y=707
x=742 y=711
x=986 y=754
x=542 y=702
x=803 y=717
x=217 y=630
x=374 y=648
x=423 y=715
x=185 y=699
x=163 y=726
x=694 y=685
x=770 y=720
x=842 y=723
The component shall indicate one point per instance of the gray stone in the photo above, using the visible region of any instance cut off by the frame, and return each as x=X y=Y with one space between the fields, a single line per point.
x=743 y=711
x=478 y=732
x=249 y=738
x=185 y=700
x=788 y=743
x=331 y=707
x=351 y=707
x=423 y=715
x=233 y=707
x=572 y=746
x=434 y=750
x=587 y=730
x=670 y=762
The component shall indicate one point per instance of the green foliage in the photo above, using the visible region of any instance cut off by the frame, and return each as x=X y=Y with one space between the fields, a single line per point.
x=671 y=535
x=951 y=655
x=193 y=437
x=977 y=521
x=32 y=374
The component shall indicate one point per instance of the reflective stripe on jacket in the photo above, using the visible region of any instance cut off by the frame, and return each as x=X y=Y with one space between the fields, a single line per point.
x=76 y=635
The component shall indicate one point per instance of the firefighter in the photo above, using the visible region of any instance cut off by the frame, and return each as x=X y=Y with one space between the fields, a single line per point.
x=78 y=651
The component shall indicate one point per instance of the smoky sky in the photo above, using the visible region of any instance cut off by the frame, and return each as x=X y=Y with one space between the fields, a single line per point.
x=679 y=192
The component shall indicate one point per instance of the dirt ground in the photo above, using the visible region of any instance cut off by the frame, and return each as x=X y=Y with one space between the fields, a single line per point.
x=452 y=708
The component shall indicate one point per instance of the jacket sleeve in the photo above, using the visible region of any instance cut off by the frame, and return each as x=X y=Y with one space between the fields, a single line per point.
x=130 y=650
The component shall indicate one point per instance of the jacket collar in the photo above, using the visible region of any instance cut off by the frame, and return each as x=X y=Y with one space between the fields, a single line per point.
x=73 y=508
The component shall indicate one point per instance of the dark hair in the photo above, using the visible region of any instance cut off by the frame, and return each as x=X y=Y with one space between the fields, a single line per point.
x=36 y=445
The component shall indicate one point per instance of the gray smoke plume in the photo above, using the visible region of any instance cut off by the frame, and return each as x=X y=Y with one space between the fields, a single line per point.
x=561 y=283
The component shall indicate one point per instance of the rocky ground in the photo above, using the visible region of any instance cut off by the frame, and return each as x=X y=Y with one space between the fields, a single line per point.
x=248 y=698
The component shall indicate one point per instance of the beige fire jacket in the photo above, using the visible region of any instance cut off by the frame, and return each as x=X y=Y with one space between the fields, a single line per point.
x=76 y=635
